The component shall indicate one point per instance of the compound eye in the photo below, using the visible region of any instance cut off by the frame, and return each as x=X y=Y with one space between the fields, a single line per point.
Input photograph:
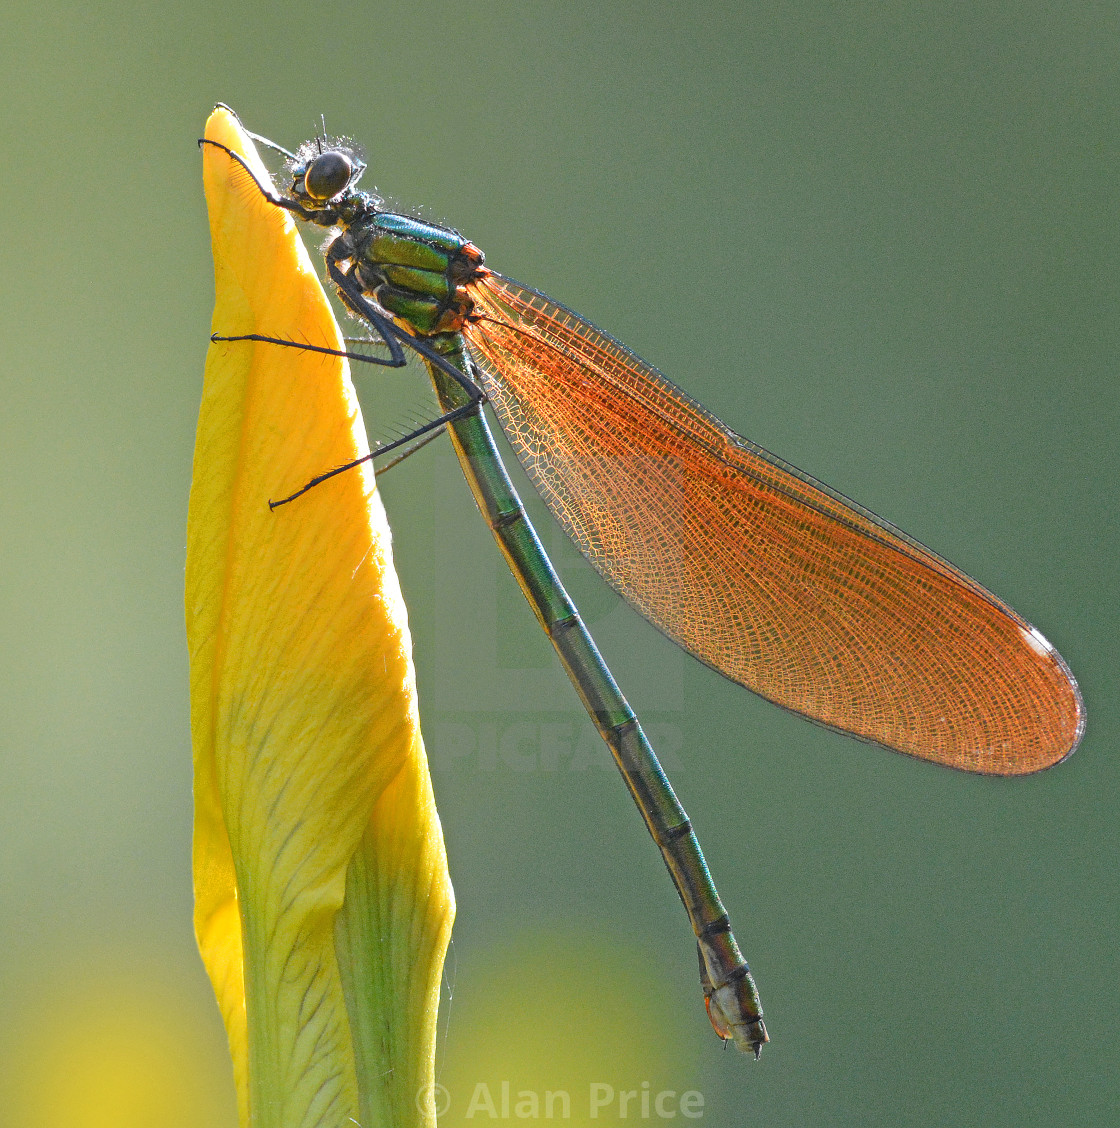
x=327 y=175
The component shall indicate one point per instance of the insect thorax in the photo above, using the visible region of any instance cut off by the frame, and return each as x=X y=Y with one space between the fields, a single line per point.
x=415 y=270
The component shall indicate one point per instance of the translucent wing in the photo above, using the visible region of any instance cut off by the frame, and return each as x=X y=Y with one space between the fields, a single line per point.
x=757 y=569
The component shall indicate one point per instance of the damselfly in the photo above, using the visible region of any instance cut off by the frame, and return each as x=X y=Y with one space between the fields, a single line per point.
x=757 y=569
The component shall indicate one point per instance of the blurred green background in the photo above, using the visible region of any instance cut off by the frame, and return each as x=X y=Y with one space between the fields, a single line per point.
x=880 y=239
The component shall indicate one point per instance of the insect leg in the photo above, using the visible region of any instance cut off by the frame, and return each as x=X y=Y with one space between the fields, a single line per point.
x=425 y=433
x=268 y=194
x=418 y=445
x=389 y=362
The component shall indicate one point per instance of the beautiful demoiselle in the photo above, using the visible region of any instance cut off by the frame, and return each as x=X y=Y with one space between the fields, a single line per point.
x=757 y=569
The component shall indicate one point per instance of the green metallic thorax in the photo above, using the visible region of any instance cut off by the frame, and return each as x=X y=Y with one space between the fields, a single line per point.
x=414 y=270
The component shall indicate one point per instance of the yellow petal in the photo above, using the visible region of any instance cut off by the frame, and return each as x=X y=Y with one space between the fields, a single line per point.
x=318 y=857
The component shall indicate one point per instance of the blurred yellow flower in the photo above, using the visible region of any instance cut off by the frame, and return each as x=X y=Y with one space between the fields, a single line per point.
x=108 y=1038
x=322 y=902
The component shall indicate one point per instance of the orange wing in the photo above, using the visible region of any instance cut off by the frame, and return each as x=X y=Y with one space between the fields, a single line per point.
x=757 y=569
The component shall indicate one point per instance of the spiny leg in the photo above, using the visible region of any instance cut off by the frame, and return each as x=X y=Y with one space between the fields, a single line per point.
x=271 y=196
x=418 y=445
x=397 y=361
